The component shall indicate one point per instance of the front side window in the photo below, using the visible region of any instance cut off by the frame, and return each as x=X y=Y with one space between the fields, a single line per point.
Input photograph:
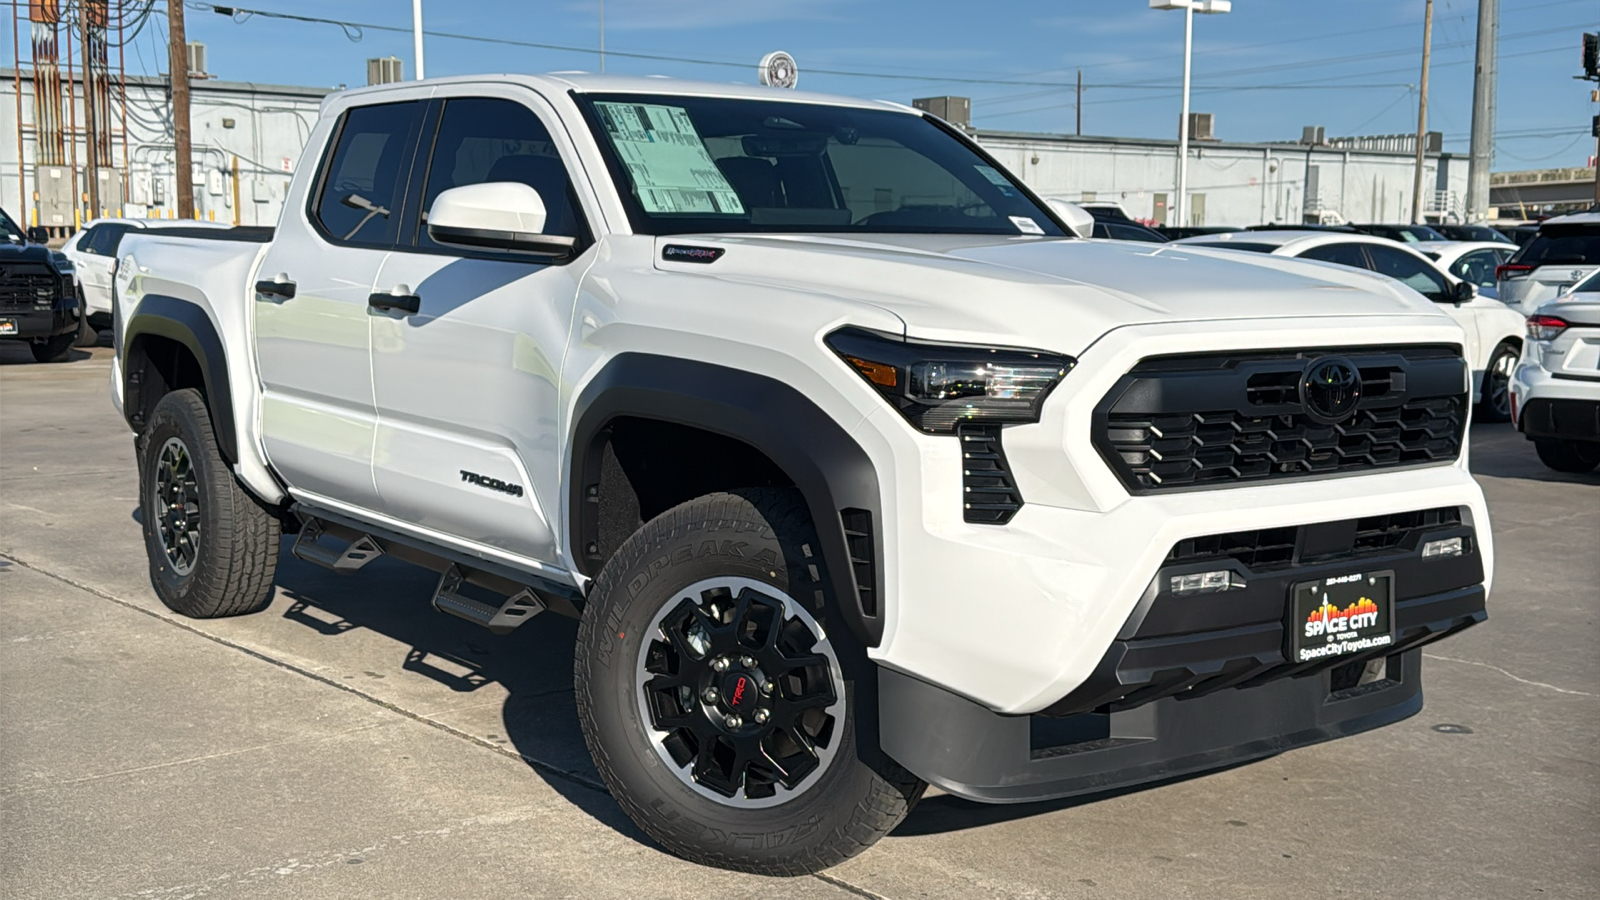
x=9 y=230
x=363 y=181
x=483 y=139
x=1477 y=267
x=1411 y=271
x=712 y=164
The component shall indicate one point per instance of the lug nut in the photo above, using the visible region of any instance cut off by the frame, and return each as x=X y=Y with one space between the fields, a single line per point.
x=733 y=721
x=710 y=695
x=747 y=661
x=761 y=716
x=720 y=664
x=766 y=687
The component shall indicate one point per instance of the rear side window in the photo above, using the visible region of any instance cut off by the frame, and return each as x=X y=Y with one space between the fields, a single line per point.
x=363 y=179
x=1478 y=267
x=482 y=139
x=1563 y=245
x=1409 y=270
x=1341 y=254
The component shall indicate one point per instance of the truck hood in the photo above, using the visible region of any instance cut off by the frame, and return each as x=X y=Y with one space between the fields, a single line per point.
x=1058 y=294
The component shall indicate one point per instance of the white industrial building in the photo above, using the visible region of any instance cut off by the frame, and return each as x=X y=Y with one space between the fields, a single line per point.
x=1333 y=181
x=247 y=139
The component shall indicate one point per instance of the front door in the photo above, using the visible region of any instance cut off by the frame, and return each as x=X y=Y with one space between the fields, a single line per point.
x=312 y=336
x=467 y=388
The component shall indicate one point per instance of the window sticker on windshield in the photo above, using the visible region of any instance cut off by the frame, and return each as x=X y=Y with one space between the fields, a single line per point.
x=668 y=162
x=995 y=178
x=1026 y=225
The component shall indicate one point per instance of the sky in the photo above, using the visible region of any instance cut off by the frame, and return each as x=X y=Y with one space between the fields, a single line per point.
x=1264 y=70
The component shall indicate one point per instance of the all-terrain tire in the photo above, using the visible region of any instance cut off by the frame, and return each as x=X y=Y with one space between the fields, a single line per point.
x=1576 y=457
x=764 y=535
x=233 y=557
x=54 y=349
x=1494 y=401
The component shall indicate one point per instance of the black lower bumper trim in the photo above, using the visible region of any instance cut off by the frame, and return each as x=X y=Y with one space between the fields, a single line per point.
x=41 y=323
x=1568 y=420
x=972 y=752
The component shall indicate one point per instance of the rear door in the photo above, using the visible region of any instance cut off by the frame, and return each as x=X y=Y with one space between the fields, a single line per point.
x=312 y=336
x=467 y=387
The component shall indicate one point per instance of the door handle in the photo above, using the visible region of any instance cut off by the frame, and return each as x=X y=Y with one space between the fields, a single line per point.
x=280 y=287
x=400 y=299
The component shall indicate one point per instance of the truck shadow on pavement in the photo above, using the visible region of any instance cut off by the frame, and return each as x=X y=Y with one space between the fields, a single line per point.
x=533 y=665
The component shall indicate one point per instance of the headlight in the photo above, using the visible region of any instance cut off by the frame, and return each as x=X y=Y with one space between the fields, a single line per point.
x=939 y=386
x=1543 y=328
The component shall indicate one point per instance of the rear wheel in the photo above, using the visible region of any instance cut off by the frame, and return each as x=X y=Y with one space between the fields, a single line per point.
x=720 y=697
x=213 y=548
x=1568 y=456
x=1495 y=403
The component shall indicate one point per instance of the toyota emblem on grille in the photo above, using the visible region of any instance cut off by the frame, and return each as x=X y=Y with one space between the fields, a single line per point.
x=1330 y=389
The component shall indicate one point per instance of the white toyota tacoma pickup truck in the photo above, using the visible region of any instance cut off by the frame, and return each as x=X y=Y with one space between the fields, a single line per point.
x=861 y=470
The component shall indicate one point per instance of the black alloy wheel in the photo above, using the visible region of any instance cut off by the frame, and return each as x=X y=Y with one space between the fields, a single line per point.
x=175 y=496
x=742 y=691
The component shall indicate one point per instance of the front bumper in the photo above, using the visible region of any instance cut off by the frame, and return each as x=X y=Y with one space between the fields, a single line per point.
x=1018 y=617
x=59 y=318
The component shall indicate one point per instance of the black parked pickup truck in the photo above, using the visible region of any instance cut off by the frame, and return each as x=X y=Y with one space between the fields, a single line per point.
x=39 y=299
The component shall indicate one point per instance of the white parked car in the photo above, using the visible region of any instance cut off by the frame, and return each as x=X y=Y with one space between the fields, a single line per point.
x=861 y=469
x=1473 y=261
x=1556 y=392
x=93 y=251
x=1494 y=332
x=1564 y=252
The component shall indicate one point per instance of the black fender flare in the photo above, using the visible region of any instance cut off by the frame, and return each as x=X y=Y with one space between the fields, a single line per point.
x=832 y=471
x=187 y=324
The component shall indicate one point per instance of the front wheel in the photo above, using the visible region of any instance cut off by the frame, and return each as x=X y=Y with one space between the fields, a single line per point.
x=720 y=697
x=1576 y=457
x=1495 y=403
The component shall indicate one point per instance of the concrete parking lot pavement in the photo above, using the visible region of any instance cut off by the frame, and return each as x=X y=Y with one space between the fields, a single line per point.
x=350 y=742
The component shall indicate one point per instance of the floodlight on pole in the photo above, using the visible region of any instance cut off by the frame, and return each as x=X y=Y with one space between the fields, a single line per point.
x=1189 y=7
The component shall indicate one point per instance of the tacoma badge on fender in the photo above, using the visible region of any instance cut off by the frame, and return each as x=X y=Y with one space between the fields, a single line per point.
x=493 y=484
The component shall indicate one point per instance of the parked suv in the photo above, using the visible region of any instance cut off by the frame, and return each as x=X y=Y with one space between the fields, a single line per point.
x=1564 y=252
x=1557 y=388
x=860 y=468
x=39 y=301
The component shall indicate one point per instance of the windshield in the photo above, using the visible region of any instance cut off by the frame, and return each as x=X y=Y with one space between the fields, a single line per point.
x=10 y=231
x=711 y=164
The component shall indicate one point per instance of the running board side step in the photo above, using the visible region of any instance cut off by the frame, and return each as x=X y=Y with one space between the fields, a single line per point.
x=356 y=553
x=502 y=619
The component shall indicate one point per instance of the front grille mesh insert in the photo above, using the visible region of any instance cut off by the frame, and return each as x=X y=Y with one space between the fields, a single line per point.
x=1242 y=420
x=1265 y=549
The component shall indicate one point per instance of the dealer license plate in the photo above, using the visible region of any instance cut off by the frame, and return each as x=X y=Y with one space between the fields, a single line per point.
x=8 y=326
x=1340 y=615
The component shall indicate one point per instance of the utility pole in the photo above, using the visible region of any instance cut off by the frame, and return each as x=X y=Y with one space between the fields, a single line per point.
x=1483 y=90
x=90 y=108
x=1079 y=107
x=178 y=69
x=1422 y=114
x=416 y=35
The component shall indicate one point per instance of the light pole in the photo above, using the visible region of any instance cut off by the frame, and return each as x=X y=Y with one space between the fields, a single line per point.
x=1190 y=7
x=416 y=35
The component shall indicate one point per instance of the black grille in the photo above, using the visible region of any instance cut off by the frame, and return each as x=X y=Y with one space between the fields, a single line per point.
x=1275 y=548
x=989 y=493
x=27 y=290
x=1217 y=420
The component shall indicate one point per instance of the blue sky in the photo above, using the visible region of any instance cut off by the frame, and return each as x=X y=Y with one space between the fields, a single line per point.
x=1264 y=70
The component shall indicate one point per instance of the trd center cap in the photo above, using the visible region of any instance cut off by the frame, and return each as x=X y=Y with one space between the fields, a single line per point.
x=739 y=692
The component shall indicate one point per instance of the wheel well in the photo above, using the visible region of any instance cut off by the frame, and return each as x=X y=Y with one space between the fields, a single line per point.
x=155 y=367
x=638 y=468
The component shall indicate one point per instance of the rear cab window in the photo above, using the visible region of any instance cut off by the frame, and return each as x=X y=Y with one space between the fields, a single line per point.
x=363 y=177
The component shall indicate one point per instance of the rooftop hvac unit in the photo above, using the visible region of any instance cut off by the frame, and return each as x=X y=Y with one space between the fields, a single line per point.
x=1200 y=127
x=1314 y=135
x=197 y=60
x=385 y=70
x=955 y=110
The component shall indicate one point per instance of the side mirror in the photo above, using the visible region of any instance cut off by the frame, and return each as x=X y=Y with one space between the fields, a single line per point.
x=1075 y=217
x=1463 y=292
x=38 y=234
x=501 y=215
